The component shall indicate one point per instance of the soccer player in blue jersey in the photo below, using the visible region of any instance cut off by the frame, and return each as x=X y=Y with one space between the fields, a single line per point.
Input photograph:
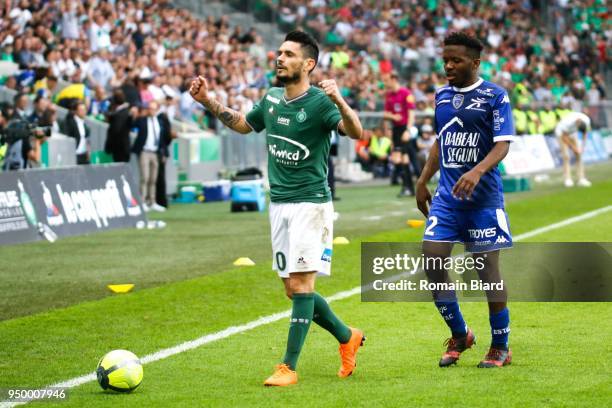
x=473 y=124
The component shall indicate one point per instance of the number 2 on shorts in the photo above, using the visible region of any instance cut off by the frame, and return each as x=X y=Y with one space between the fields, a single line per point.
x=434 y=222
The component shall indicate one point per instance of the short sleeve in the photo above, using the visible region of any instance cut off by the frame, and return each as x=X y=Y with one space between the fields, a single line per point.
x=503 y=124
x=330 y=115
x=410 y=100
x=255 y=118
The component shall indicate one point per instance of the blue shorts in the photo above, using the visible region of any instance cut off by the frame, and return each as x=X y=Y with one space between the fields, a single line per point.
x=481 y=230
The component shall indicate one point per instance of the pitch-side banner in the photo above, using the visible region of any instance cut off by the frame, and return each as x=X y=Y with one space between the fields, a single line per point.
x=528 y=154
x=49 y=203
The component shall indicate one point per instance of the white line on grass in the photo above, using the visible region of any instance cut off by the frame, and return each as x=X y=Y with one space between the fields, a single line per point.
x=563 y=223
x=262 y=321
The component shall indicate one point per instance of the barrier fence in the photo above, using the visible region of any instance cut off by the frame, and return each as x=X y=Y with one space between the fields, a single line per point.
x=202 y=155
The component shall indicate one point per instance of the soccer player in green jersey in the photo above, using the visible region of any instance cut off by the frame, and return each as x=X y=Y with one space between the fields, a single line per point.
x=298 y=119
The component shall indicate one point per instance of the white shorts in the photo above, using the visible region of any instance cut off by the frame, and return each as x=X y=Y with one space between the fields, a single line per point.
x=302 y=235
x=559 y=134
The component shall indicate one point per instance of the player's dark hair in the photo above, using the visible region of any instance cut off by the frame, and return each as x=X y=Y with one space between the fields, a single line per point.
x=308 y=44
x=582 y=127
x=473 y=44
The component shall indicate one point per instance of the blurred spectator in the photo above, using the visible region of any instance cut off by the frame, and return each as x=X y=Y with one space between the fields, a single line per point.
x=40 y=106
x=49 y=118
x=151 y=147
x=374 y=150
x=146 y=47
x=73 y=93
x=161 y=196
x=20 y=104
x=120 y=118
x=99 y=103
x=424 y=142
x=75 y=127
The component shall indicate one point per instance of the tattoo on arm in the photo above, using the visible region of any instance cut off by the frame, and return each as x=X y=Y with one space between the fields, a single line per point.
x=227 y=116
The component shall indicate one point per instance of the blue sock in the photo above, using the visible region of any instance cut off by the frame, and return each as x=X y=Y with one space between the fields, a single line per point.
x=500 y=329
x=453 y=317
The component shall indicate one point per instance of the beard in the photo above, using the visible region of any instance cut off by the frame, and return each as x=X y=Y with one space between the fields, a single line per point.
x=289 y=79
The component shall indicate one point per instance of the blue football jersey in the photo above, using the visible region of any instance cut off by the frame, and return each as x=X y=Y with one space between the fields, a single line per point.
x=468 y=121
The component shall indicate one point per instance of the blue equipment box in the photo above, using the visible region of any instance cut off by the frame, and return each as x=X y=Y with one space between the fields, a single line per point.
x=216 y=190
x=248 y=195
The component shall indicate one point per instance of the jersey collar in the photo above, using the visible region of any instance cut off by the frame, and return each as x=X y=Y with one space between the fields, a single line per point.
x=471 y=87
x=288 y=101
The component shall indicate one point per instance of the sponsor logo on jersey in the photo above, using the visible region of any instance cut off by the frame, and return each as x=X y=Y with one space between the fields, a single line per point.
x=458 y=148
x=457 y=101
x=497 y=120
x=327 y=255
x=505 y=99
x=283 y=121
x=283 y=154
x=301 y=116
x=273 y=99
x=271 y=110
x=501 y=240
x=482 y=233
x=301 y=261
x=475 y=105
x=485 y=92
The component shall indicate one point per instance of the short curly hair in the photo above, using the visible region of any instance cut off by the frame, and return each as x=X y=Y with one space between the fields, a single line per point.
x=472 y=43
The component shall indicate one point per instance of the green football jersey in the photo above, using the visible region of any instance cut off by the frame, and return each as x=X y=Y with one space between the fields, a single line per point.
x=298 y=135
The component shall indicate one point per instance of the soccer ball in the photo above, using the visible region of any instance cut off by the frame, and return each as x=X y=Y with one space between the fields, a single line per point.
x=119 y=370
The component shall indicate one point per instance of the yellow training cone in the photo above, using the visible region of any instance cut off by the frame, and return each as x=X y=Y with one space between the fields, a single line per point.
x=341 y=241
x=124 y=288
x=415 y=223
x=244 y=261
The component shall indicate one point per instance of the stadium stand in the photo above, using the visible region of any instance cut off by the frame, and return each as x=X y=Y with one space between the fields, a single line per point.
x=551 y=56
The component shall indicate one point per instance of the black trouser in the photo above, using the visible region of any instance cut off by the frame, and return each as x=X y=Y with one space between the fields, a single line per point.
x=82 y=158
x=160 y=188
x=412 y=151
x=121 y=157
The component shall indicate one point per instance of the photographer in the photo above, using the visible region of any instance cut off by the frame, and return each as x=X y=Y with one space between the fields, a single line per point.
x=23 y=142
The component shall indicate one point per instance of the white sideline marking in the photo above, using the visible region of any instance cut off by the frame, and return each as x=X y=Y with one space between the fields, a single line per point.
x=262 y=321
x=563 y=223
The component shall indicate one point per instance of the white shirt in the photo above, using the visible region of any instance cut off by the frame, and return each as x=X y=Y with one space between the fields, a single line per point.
x=82 y=146
x=152 y=143
x=568 y=123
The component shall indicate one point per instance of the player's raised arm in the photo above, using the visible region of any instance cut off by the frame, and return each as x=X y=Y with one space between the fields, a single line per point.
x=350 y=124
x=229 y=117
x=423 y=196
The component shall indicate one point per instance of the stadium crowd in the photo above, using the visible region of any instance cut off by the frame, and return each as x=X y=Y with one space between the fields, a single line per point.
x=70 y=50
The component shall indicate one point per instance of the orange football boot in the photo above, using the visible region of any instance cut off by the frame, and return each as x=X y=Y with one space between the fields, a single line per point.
x=348 y=351
x=283 y=376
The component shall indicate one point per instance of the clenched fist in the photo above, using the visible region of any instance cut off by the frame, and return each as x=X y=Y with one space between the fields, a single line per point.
x=330 y=88
x=199 y=89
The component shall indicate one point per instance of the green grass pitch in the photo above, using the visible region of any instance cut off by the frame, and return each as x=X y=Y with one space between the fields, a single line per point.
x=57 y=318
